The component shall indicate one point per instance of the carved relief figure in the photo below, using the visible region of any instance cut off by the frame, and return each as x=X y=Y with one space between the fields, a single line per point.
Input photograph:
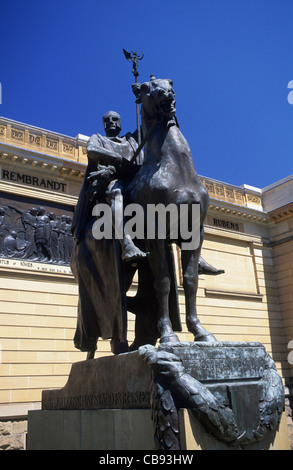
x=2 y=220
x=42 y=235
x=29 y=220
x=14 y=247
x=54 y=234
x=68 y=240
x=61 y=240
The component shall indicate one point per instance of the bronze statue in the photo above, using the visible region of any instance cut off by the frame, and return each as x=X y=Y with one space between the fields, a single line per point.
x=104 y=267
x=237 y=405
x=168 y=176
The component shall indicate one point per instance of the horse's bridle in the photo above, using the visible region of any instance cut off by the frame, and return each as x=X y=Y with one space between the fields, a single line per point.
x=144 y=140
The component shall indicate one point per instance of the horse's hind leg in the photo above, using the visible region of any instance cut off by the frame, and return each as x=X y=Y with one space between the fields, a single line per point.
x=189 y=261
x=161 y=278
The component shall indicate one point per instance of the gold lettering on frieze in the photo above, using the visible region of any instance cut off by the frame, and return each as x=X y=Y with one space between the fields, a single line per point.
x=16 y=134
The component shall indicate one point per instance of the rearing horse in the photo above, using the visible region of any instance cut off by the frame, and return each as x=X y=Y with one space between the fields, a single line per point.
x=168 y=176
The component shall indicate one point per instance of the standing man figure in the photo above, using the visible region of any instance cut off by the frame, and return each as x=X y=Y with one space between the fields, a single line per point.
x=97 y=264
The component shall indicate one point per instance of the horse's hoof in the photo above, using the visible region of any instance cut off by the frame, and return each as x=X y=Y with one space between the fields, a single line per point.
x=119 y=347
x=133 y=254
x=200 y=333
x=209 y=338
x=172 y=338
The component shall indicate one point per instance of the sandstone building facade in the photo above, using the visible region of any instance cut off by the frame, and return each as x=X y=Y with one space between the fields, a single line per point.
x=248 y=233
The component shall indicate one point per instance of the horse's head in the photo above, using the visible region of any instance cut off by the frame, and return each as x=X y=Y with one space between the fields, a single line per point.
x=157 y=98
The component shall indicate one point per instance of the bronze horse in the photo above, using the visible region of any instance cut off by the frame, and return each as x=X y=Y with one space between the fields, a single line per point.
x=168 y=176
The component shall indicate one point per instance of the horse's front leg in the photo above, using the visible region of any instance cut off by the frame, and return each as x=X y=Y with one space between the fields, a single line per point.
x=189 y=260
x=161 y=281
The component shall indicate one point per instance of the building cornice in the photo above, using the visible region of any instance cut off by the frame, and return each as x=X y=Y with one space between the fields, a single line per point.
x=236 y=211
x=282 y=213
x=244 y=196
x=21 y=125
x=21 y=158
x=42 y=141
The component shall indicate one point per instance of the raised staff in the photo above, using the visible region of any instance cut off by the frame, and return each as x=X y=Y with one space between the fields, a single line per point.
x=134 y=58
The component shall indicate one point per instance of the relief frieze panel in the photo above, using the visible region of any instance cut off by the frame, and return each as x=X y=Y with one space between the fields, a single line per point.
x=253 y=199
x=17 y=134
x=220 y=191
x=35 y=139
x=230 y=194
x=52 y=144
x=239 y=197
x=68 y=148
x=32 y=231
x=21 y=135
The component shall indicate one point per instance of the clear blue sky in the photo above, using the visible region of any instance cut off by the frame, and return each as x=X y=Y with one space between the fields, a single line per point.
x=62 y=67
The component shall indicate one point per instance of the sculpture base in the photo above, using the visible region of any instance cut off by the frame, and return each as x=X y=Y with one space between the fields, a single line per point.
x=236 y=383
x=124 y=381
x=127 y=430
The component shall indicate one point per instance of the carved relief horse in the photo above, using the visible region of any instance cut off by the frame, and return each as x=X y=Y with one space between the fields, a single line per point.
x=168 y=176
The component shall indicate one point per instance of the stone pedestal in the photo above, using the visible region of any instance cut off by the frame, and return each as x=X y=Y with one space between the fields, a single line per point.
x=109 y=382
x=109 y=398
x=127 y=430
x=90 y=430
